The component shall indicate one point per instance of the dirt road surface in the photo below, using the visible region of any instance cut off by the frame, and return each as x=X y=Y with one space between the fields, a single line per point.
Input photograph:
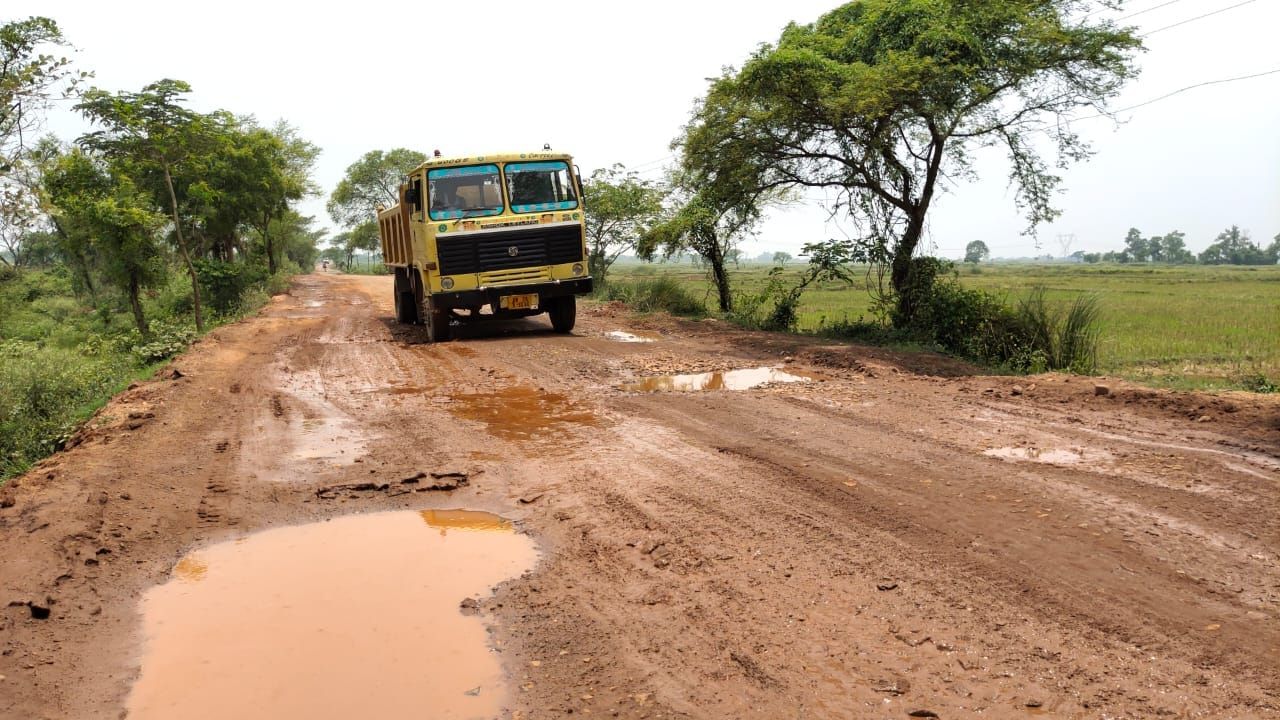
x=898 y=537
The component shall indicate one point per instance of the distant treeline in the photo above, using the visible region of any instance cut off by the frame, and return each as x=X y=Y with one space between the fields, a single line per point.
x=1233 y=246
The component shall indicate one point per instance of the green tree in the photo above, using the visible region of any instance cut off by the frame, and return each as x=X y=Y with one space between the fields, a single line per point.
x=881 y=99
x=708 y=226
x=297 y=237
x=1171 y=248
x=1136 y=247
x=29 y=81
x=976 y=252
x=781 y=258
x=620 y=207
x=1233 y=247
x=94 y=203
x=151 y=130
x=373 y=180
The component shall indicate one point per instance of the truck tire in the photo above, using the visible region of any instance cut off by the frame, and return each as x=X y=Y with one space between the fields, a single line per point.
x=406 y=306
x=436 y=320
x=564 y=313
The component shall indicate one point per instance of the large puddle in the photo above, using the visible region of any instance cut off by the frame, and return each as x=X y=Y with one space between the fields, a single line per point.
x=727 y=380
x=353 y=618
x=521 y=412
x=626 y=337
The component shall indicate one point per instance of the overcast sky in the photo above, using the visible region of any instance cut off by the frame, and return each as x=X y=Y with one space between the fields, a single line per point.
x=613 y=82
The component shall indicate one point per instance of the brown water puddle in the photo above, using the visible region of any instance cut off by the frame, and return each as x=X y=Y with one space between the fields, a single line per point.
x=1057 y=456
x=354 y=618
x=626 y=337
x=726 y=380
x=521 y=412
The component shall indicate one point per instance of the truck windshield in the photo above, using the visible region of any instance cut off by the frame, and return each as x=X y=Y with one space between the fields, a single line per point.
x=539 y=186
x=471 y=191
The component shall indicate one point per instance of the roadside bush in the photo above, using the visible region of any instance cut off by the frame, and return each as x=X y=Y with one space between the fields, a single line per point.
x=1033 y=336
x=657 y=295
x=168 y=338
x=1257 y=382
x=1067 y=336
x=44 y=394
x=224 y=282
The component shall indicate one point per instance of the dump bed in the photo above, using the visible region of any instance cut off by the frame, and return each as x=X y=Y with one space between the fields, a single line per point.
x=395 y=234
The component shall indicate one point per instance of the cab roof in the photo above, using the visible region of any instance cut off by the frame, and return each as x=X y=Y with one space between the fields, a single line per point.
x=438 y=162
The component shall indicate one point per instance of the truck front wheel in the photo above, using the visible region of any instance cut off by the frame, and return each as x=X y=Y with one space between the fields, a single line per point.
x=436 y=319
x=564 y=313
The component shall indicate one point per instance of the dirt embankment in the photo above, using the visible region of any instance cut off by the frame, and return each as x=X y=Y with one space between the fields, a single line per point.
x=897 y=535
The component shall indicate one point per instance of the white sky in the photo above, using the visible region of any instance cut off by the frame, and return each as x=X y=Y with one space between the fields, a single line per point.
x=613 y=82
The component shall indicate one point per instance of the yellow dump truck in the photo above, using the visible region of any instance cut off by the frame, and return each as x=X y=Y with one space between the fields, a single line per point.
x=487 y=236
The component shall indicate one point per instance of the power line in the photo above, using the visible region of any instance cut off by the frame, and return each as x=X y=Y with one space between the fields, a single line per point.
x=653 y=162
x=1198 y=85
x=1144 y=12
x=1179 y=91
x=1198 y=17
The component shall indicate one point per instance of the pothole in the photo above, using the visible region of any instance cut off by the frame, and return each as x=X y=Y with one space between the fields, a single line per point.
x=356 y=617
x=726 y=380
x=626 y=337
x=1057 y=456
x=521 y=412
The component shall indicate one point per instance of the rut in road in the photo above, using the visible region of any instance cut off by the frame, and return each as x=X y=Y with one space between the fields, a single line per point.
x=897 y=534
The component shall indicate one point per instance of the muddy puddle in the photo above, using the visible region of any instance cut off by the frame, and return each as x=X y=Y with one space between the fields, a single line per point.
x=522 y=412
x=626 y=337
x=726 y=380
x=1072 y=456
x=358 y=617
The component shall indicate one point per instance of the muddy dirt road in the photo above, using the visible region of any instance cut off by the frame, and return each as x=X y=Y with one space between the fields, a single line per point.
x=890 y=536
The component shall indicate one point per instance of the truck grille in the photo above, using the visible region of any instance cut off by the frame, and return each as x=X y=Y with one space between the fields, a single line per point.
x=489 y=251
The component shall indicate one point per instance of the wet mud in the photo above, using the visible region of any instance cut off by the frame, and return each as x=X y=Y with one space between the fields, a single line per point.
x=521 y=412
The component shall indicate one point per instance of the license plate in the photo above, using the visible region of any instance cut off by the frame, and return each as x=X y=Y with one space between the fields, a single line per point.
x=519 y=302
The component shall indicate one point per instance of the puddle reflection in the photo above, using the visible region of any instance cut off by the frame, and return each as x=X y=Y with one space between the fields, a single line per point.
x=727 y=380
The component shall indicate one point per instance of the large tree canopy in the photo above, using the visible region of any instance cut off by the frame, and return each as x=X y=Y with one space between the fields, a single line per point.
x=154 y=131
x=620 y=206
x=371 y=181
x=29 y=81
x=884 y=99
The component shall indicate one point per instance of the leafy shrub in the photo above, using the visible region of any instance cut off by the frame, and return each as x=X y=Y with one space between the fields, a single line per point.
x=224 y=282
x=1258 y=383
x=167 y=339
x=657 y=295
x=1033 y=336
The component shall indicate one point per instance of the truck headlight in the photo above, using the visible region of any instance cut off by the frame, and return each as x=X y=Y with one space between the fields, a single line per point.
x=447 y=283
x=577 y=268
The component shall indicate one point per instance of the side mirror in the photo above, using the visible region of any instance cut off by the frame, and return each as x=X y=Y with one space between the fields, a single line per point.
x=413 y=195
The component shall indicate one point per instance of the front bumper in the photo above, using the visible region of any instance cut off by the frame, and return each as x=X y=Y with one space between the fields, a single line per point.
x=489 y=296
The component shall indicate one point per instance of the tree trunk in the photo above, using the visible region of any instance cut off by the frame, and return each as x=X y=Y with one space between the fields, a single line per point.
x=135 y=302
x=182 y=247
x=721 y=277
x=900 y=275
x=266 y=239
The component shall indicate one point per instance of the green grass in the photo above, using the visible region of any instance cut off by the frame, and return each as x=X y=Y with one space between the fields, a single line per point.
x=1211 y=327
x=62 y=357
